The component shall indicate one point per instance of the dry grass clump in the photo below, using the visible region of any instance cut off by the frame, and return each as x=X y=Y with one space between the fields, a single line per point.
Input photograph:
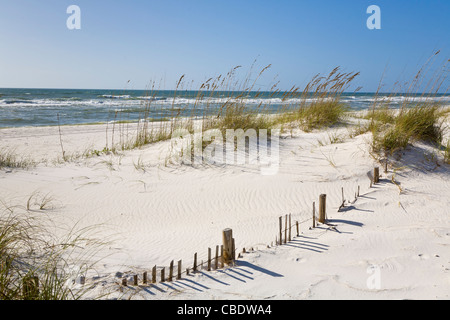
x=319 y=115
x=419 y=118
x=422 y=122
x=320 y=104
x=9 y=159
x=35 y=265
x=419 y=123
x=325 y=108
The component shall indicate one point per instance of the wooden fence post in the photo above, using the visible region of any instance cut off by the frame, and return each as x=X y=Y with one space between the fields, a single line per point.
x=227 y=239
x=217 y=258
x=179 y=270
x=233 y=250
x=314 y=214
x=162 y=274
x=281 y=228
x=296 y=223
x=290 y=226
x=124 y=281
x=343 y=200
x=171 y=271
x=221 y=256
x=154 y=274
x=285 y=229
x=209 y=259
x=322 y=208
x=135 y=280
x=376 y=175
x=144 y=277
x=195 y=262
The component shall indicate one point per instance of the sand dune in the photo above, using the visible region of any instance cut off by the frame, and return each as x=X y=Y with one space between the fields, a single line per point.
x=385 y=244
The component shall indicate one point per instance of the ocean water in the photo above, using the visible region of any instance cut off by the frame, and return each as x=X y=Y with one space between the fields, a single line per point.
x=49 y=107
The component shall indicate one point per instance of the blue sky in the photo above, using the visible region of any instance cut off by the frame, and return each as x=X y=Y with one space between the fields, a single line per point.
x=149 y=40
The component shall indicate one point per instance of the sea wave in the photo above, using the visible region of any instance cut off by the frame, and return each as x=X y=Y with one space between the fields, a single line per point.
x=110 y=96
x=144 y=101
x=126 y=101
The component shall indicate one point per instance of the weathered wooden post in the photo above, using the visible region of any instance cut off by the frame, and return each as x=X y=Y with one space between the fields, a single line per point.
x=179 y=270
x=162 y=274
x=144 y=277
x=233 y=250
x=195 y=262
x=124 y=281
x=314 y=214
x=290 y=227
x=209 y=259
x=217 y=258
x=376 y=175
x=298 y=233
x=170 y=271
x=285 y=229
x=227 y=239
x=343 y=200
x=154 y=274
x=281 y=228
x=322 y=208
x=221 y=256
x=135 y=280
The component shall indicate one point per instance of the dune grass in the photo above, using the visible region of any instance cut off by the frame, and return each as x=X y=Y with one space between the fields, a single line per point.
x=418 y=118
x=10 y=159
x=35 y=265
x=223 y=103
x=446 y=152
x=319 y=104
x=394 y=130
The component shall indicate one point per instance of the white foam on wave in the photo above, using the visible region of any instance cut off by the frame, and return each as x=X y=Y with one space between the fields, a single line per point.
x=110 y=96
x=125 y=101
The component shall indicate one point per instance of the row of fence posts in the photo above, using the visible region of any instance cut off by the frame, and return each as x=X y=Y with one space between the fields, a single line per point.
x=226 y=256
x=288 y=222
x=374 y=178
x=30 y=285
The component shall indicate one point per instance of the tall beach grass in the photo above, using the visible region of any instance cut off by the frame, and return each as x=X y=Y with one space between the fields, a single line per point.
x=223 y=102
x=35 y=264
x=419 y=117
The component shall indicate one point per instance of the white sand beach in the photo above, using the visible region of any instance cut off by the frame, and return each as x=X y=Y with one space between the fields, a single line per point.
x=390 y=242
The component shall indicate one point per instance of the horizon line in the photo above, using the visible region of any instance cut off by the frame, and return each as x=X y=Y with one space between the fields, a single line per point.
x=255 y=91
